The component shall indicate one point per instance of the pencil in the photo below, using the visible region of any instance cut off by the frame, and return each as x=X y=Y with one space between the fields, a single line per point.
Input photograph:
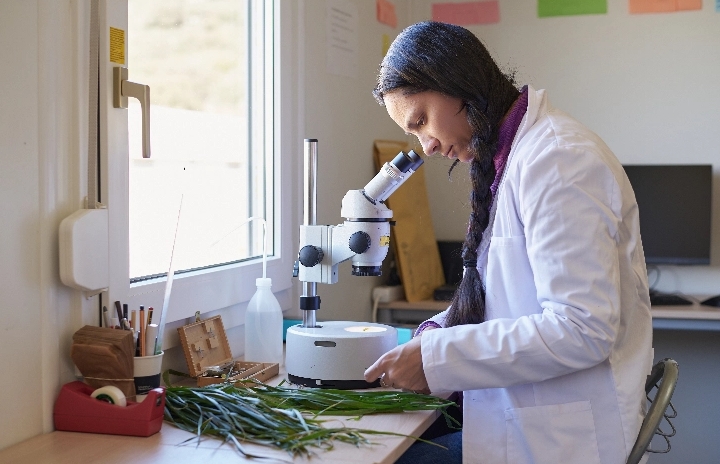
x=119 y=311
x=142 y=331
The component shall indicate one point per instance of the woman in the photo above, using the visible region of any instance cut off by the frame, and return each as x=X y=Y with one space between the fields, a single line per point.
x=549 y=334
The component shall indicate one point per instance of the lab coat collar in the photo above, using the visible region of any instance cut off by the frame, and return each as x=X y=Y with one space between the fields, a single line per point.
x=537 y=106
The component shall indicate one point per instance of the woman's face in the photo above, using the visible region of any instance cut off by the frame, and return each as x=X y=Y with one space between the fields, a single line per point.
x=437 y=120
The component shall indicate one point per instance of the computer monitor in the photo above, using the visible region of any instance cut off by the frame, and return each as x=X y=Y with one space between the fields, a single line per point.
x=675 y=211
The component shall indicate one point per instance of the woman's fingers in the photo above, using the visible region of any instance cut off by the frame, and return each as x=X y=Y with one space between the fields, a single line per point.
x=400 y=367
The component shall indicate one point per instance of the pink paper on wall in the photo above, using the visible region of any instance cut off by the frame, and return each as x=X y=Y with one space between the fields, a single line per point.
x=464 y=14
x=386 y=13
x=663 y=6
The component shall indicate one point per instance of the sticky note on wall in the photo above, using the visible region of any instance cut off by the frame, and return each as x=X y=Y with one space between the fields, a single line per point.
x=663 y=6
x=386 y=13
x=548 y=8
x=467 y=13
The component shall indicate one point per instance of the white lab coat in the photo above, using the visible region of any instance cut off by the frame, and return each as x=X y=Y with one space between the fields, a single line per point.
x=556 y=373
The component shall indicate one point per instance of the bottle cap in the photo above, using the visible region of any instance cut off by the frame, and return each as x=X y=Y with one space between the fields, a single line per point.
x=263 y=282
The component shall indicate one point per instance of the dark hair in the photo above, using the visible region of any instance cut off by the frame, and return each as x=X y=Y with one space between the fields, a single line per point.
x=451 y=60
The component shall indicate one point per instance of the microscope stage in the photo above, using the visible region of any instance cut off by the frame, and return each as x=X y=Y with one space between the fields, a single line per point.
x=336 y=354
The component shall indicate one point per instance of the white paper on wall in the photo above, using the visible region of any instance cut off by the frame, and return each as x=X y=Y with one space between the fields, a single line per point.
x=342 y=38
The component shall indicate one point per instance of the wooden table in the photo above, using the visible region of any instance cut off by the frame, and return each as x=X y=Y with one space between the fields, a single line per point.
x=171 y=445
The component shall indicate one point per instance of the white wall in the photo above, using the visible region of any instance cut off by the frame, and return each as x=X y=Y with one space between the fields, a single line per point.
x=37 y=180
x=647 y=84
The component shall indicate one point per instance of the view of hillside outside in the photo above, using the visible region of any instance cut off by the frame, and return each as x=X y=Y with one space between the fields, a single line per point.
x=193 y=55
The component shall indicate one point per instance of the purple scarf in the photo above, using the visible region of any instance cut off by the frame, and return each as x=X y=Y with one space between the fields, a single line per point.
x=507 y=135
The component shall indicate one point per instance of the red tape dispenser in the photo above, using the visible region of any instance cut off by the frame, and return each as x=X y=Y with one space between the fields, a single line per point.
x=80 y=408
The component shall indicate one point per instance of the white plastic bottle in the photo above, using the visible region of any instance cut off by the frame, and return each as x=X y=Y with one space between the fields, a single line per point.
x=264 y=325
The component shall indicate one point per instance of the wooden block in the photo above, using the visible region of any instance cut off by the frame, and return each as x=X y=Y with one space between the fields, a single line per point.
x=412 y=237
x=206 y=345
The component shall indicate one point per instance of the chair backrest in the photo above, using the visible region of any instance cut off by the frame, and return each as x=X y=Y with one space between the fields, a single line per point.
x=667 y=371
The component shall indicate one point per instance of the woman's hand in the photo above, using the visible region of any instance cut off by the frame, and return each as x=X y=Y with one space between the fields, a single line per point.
x=401 y=367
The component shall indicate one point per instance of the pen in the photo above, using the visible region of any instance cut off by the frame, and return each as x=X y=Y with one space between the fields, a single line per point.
x=141 y=336
x=150 y=313
x=118 y=309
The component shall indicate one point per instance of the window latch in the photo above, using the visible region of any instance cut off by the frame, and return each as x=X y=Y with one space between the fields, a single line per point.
x=122 y=89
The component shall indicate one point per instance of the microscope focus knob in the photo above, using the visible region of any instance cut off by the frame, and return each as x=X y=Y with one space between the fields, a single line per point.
x=310 y=255
x=359 y=242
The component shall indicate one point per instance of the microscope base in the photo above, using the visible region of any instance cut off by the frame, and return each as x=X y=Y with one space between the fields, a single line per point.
x=336 y=384
x=336 y=354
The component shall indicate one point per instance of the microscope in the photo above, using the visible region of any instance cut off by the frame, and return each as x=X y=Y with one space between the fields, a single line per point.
x=335 y=354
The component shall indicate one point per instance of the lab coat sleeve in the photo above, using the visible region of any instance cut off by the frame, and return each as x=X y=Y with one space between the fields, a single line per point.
x=439 y=318
x=569 y=203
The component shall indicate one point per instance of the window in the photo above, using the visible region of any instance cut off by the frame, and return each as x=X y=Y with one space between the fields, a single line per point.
x=208 y=147
x=215 y=138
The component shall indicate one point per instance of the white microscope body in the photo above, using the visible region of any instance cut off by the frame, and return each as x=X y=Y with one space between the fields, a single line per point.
x=335 y=354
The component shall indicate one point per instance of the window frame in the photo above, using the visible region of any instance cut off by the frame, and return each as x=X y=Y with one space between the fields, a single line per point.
x=213 y=289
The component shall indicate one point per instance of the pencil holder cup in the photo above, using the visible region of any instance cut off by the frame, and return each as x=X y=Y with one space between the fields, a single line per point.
x=147 y=374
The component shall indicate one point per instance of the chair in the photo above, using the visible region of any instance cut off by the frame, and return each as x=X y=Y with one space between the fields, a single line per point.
x=667 y=371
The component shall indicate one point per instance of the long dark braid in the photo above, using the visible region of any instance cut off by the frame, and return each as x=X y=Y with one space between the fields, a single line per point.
x=451 y=60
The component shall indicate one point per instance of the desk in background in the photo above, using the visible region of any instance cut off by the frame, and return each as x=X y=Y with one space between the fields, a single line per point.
x=690 y=317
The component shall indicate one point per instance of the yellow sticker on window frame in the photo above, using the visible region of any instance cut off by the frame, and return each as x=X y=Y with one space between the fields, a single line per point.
x=117 y=45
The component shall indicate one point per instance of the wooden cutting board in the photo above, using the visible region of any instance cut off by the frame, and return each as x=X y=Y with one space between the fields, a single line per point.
x=413 y=237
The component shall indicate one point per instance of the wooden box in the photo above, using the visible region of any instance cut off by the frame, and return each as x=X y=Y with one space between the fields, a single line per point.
x=206 y=346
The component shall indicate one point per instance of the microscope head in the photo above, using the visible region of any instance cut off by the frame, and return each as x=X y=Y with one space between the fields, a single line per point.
x=364 y=236
x=366 y=214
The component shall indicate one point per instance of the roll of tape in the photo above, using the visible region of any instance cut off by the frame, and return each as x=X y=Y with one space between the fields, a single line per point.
x=110 y=394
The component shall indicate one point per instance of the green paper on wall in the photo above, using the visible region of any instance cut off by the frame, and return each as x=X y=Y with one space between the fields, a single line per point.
x=547 y=8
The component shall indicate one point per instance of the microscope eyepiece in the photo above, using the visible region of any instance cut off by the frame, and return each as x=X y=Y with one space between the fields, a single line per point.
x=391 y=176
x=405 y=162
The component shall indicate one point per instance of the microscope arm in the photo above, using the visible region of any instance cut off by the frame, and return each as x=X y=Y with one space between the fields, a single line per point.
x=327 y=246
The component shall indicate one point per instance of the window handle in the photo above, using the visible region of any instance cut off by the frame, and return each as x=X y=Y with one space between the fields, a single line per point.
x=122 y=89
